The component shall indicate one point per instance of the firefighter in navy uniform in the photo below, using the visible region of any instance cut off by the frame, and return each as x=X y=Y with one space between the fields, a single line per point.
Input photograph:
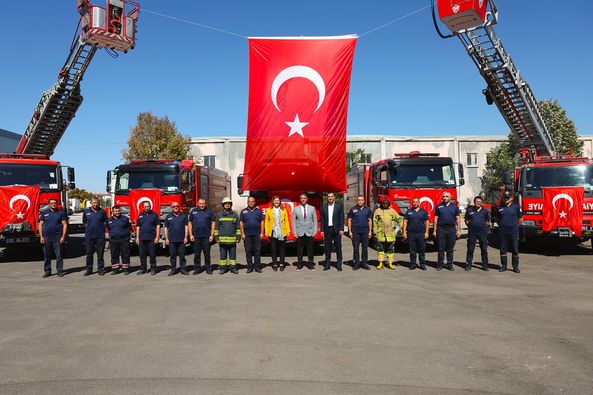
x=201 y=232
x=95 y=220
x=447 y=229
x=477 y=219
x=228 y=235
x=251 y=222
x=53 y=225
x=148 y=229
x=416 y=226
x=119 y=241
x=509 y=218
x=360 y=223
x=176 y=237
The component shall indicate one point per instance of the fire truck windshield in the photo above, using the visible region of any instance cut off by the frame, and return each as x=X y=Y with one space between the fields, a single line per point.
x=558 y=176
x=44 y=176
x=422 y=175
x=166 y=181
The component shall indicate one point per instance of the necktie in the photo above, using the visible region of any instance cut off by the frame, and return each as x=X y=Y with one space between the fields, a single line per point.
x=305 y=212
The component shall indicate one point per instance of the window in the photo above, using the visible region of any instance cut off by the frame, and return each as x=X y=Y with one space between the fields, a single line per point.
x=210 y=160
x=472 y=160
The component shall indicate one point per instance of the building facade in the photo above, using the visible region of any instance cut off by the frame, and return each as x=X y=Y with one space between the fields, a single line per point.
x=228 y=154
x=8 y=141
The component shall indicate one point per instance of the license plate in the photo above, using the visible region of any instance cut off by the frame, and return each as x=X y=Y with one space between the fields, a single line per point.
x=16 y=240
x=564 y=232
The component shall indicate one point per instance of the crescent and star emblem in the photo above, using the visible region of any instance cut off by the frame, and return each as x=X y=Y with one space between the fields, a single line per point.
x=142 y=200
x=296 y=126
x=428 y=200
x=20 y=215
x=562 y=196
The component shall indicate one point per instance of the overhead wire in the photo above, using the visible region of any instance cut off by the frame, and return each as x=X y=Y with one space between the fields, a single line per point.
x=220 y=30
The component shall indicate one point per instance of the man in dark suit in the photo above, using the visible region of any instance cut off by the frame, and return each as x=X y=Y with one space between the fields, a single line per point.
x=332 y=230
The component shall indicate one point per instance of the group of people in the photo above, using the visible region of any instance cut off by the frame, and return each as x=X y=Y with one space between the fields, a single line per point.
x=202 y=227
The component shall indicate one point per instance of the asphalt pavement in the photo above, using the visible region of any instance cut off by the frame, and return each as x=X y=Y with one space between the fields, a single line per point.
x=303 y=332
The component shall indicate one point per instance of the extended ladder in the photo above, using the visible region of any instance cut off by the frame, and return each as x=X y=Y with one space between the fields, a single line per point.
x=506 y=89
x=58 y=105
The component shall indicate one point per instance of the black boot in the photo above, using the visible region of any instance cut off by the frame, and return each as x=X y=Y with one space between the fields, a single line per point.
x=422 y=266
x=234 y=269
x=88 y=272
x=141 y=271
x=101 y=272
x=468 y=267
x=502 y=268
x=485 y=267
x=412 y=266
x=172 y=272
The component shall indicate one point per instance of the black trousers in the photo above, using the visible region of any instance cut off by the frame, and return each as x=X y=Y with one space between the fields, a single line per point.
x=357 y=240
x=332 y=238
x=252 y=251
x=94 y=245
x=446 y=237
x=120 y=248
x=277 y=247
x=52 y=245
x=302 y=243
x=417 y=246
x=201 y=245
x=177 y=249
x=482 y=238
x=509 y=242
x=147 y=247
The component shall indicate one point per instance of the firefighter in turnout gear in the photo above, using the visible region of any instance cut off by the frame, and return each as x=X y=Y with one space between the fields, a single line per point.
x=227 y=234
x=385 y=223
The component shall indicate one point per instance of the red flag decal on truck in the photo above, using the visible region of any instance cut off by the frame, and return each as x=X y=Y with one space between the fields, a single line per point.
x=139 y=196
x=563 y=207
x=298 y=107
x=19 y=204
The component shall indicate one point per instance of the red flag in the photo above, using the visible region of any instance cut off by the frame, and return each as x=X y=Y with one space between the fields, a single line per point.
x=139 y=196
x=429 y=200
x=19 y=204
x=563 y=207
x=298 y=107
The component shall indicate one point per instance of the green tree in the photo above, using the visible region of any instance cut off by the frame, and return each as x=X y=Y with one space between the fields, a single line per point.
x=355 y=157
x=80 y=194
x=505 y=157
x=156 y=138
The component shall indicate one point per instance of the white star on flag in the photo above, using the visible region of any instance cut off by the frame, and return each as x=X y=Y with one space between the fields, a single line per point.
x=20 y=215
x=296 y=126
x=562 y=214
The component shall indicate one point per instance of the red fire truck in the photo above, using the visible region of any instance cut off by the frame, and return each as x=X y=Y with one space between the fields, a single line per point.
x=404 y=177
x=112 y=28
x=541 y=168
x=165 y=182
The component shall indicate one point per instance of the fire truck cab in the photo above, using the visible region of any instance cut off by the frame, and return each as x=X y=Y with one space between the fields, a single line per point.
x=33 y=170
x=183 y=182
x=404 y=177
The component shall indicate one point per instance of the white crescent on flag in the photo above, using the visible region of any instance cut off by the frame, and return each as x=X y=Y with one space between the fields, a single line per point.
x=562 y=196
x=295 y=72
x=19 y=197
x=142 y=200
x=428 y=200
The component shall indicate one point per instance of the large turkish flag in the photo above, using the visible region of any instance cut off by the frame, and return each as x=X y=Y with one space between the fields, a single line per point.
x=563 y=207
x=298 y=107
x=139 y=196
x=429 y=200
x=19 y=204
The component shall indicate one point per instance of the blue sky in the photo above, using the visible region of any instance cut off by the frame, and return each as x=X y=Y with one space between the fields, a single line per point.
x=406 y=80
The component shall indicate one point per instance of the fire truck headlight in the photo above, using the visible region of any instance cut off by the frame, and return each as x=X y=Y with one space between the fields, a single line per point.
x=166 y=209
x=529 y=222
x=125 y=210
x=43 y=207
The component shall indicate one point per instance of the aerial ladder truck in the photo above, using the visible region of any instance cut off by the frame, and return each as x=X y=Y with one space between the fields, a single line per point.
x=111 y=27
x=541 y=168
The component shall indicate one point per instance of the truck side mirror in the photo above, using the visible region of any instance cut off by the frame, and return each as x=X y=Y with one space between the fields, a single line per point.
x=240 y=184
x=71 y=175
x=375 y=175
x=461 y=174
x=108 y=181
x=507 y=178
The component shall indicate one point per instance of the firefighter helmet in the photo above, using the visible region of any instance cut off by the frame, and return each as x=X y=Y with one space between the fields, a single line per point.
x=226 y=200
